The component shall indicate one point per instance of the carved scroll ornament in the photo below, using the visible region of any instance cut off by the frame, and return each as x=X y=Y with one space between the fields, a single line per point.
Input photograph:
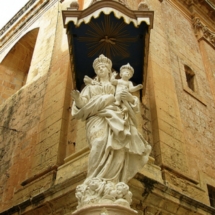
x=202 y=30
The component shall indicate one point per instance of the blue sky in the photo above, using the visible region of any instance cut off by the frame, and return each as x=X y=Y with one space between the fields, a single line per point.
x=8 y=9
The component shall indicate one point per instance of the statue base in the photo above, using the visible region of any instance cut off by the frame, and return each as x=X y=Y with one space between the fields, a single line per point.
x=105 y=209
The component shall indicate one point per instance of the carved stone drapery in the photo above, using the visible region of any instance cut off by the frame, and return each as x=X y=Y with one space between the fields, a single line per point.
x=117 y=150
x=202 y=31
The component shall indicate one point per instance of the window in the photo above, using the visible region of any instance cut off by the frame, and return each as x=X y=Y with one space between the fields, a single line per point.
x=190 y=76
x=190 y=82
x=211 y=193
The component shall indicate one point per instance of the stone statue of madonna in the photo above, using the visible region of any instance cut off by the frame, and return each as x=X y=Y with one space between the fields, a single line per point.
x=117 y=150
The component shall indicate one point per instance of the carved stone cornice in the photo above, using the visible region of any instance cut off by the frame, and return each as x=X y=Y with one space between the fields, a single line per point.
x=205 y=6
x=203 y=32
x=201 y=8
x=17 y=16
x=20 y=19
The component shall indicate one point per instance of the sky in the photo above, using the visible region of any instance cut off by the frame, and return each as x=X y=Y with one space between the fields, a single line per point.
x=8 y=8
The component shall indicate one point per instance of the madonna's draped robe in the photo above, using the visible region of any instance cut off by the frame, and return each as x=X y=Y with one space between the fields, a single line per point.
x=117 y=150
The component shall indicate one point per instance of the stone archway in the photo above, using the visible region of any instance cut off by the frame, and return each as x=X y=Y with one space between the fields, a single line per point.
x=15 y=66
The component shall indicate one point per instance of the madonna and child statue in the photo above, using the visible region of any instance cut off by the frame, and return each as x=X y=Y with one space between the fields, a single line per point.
x=117 y=150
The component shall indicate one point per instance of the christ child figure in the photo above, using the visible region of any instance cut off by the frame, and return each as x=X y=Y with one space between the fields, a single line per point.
x=123 y=84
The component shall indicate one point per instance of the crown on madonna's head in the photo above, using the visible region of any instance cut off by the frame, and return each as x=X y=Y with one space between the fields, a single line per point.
x=102 y=60
x=129 y=67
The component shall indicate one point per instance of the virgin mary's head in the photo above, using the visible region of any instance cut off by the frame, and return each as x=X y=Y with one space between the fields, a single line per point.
x=101 y=62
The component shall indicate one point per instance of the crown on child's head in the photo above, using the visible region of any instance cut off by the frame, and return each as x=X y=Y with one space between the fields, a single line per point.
x=129 y=67
x=102 y=60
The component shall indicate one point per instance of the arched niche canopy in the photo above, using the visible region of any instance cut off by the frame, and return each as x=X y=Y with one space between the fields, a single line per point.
x=109 y=28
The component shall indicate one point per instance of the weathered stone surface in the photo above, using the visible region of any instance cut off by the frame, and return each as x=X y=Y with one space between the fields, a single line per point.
x=43 y=148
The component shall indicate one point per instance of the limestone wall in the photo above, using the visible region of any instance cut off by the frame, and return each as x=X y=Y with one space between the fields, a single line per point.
x=183 y=120
x=34 y=119
x=43 y=150
x=196 y=108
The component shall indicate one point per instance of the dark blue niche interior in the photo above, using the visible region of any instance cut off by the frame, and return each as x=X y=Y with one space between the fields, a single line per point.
x=122 y=43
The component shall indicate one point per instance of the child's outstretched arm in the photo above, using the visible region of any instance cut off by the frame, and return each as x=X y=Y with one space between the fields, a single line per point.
x=133 y=88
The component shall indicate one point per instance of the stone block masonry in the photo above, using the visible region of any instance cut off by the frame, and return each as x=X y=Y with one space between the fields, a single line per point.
x=43 y=149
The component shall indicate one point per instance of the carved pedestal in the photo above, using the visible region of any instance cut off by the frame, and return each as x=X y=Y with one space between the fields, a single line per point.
x=106 y=209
